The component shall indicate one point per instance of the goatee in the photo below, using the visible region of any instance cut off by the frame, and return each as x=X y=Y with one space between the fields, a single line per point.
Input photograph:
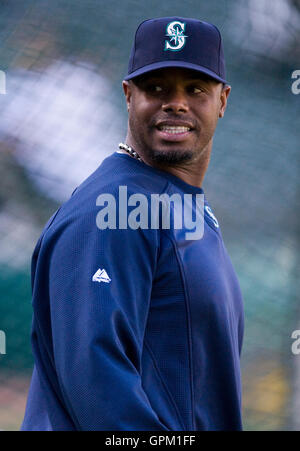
x=171 y=157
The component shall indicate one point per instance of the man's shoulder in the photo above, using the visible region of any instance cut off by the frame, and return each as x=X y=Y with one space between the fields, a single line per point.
x=116 y=180
x=115 y=172
x=123 y=170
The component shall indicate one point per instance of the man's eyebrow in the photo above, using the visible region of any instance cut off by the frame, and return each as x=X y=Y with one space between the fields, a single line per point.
x=205 y=79
x=151 y=77
x=143 y=79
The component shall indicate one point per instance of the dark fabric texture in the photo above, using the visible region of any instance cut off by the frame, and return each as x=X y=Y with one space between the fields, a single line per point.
x=156 y=348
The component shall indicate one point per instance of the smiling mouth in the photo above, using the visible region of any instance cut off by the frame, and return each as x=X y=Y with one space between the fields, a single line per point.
x=174 y=130
x=174 y=133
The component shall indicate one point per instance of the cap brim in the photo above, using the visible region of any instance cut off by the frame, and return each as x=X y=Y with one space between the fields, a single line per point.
x=162 y=64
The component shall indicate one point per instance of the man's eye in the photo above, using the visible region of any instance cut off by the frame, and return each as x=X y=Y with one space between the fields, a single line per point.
x=197 y=90
x=154 y=88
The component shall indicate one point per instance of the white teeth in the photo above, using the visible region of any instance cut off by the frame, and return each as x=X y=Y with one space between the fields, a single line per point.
x=174 y=129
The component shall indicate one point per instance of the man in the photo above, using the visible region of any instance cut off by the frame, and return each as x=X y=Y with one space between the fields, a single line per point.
x=138 y=323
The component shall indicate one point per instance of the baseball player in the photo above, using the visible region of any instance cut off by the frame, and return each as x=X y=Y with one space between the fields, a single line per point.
x=138 y=317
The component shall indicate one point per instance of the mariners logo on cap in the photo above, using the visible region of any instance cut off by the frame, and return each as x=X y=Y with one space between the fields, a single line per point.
x=175 y=33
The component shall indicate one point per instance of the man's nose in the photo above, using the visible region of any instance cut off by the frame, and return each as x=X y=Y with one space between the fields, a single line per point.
x=175 y=102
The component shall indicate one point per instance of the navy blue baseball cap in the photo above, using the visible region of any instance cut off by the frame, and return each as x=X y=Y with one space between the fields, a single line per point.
x=177 y=42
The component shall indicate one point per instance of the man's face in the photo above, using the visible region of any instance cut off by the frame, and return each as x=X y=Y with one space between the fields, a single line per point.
x=173 y=113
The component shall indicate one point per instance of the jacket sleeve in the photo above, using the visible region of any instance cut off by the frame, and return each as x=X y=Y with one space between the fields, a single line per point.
x=98 y=325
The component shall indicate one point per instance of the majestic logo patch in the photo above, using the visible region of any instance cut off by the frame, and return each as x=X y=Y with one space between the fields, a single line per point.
x=101 y=276
x=210 y=213
x=175 y=33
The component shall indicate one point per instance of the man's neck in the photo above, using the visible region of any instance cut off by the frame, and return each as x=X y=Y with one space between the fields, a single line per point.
x=192 y=172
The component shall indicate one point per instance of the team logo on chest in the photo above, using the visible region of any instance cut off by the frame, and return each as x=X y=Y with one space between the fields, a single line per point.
x=175 y=32
x=212 y=216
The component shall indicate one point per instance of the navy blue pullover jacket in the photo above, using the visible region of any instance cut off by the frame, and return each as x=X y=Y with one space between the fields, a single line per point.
x=133 y=329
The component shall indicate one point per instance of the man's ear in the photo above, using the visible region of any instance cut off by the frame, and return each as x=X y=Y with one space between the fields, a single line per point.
x=223 y=99
x=127 y=88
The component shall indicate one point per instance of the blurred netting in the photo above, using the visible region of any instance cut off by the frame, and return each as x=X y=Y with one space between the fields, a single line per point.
x=64 y=111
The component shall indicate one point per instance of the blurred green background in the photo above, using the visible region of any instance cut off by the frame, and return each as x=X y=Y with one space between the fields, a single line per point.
x=64 y=112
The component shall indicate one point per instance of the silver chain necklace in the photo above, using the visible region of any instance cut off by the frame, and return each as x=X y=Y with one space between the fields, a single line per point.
x=130 y=151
